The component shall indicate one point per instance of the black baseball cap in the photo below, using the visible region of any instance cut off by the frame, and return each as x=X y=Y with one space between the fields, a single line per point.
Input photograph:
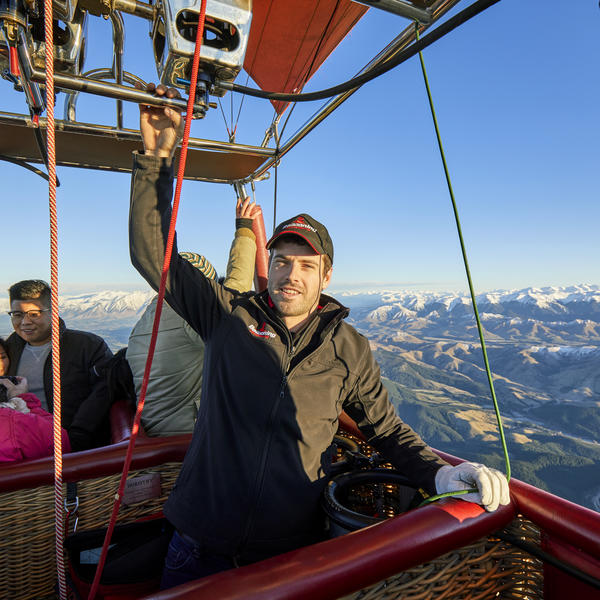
x=315 y=234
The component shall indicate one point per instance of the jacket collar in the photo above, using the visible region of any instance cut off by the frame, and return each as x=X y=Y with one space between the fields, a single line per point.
x=330 y=308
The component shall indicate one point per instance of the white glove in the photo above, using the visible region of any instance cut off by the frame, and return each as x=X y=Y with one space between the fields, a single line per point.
x=491 y=484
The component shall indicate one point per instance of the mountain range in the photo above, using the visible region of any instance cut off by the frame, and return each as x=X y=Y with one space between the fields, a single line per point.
x=542 y=346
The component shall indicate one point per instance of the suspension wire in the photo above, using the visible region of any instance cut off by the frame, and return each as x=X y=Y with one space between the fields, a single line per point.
x=319 y=45
x=231 y=106
x=468 y=273
x=225 y=121
x=279 y=134
x=260 y=38
x=312 y=64
x=234 y=125
x=468 y=13
x=317 y=111
x=287 y=118
x=161 y=294
x=55 y=331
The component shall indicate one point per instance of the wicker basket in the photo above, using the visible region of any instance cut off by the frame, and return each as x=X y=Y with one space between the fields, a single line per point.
x=489 y=568
x=486 y=569
x=28 y=568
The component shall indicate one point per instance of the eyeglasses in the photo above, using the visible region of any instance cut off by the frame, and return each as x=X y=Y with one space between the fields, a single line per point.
x=34 y=315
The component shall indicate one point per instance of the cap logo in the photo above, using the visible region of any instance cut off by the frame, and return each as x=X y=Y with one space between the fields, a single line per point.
x=300 y=223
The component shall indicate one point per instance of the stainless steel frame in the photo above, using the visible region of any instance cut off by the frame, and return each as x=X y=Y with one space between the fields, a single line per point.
x=94 y=82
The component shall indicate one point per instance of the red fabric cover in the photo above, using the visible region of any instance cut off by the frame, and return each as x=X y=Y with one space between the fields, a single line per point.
x=27 y=435
x=290 y=40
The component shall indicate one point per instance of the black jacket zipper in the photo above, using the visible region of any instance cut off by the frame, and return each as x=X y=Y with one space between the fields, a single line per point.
x=260 y=476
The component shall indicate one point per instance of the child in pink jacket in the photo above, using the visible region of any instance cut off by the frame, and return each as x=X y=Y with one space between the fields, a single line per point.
x=25 y=427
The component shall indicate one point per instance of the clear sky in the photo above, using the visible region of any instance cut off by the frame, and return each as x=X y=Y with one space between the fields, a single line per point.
x=517 y=97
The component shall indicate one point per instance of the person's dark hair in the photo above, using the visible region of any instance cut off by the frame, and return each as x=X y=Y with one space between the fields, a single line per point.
x=30 y=289
x=3 y=345
x=294 y=239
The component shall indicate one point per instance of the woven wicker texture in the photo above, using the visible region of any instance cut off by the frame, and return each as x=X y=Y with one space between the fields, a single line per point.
x=487 y=569
x=27 y=570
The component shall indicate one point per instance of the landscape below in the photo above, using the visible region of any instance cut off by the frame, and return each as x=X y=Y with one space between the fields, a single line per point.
x=543 y=347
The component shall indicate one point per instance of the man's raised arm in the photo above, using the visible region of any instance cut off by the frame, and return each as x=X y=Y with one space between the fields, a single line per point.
x=152 y=186
x=150 y=216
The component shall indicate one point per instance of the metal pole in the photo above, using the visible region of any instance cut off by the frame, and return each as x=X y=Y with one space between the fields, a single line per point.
x=117 y=67
x=133 y=7
x=111 y=90
x=32 y=92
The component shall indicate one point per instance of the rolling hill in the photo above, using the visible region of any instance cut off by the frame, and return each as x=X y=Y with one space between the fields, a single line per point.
x=543 y=347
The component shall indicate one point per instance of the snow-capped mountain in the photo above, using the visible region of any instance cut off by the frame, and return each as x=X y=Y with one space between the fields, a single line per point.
x=547 y=304
x=543 y=346
x=548 y=316
x=110 y=314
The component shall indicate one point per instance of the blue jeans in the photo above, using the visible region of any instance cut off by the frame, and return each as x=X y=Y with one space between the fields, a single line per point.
x=186 y=561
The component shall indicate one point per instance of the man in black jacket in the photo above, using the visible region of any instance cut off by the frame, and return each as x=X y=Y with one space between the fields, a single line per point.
x=83 y=356
x=280 y=366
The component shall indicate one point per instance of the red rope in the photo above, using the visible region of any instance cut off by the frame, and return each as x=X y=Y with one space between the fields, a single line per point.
x=159 y=303
x=56 y=384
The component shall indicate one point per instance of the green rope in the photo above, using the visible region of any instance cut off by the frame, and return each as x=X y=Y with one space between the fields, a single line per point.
x=466 y=263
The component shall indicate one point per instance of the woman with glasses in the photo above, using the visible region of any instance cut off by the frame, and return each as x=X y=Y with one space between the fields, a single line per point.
x=26 y=429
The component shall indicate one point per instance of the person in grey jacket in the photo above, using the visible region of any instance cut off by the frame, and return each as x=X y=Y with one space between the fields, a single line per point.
x=173 y=394
x=280 y=367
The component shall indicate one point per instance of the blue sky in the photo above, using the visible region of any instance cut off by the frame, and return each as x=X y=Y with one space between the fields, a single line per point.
x=517 y=96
